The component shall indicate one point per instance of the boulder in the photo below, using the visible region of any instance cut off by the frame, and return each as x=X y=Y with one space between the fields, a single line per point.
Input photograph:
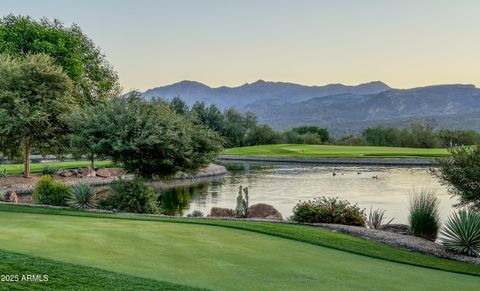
x=221 y=212
x=86 y=172
x=397 y=228
x=262 y=210
x=12 y=197
x=68 y=173
x=104 y=173
x=115 y=172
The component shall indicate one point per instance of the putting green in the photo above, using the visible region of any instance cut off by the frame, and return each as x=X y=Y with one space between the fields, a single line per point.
x=211 y=257
x=333 y=151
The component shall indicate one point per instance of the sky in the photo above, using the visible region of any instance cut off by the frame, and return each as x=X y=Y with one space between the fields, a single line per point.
x=225 y=42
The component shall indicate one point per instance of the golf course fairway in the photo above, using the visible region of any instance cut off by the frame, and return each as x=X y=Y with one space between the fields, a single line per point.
x=334 y=151
x=210 y=257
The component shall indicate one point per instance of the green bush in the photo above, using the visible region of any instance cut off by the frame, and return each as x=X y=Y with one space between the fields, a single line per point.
x=329 y=210
x=131 y=196
x=462 y=233
x=83 y=196
x=48 y=191
x=48 y=171
x=424 y=215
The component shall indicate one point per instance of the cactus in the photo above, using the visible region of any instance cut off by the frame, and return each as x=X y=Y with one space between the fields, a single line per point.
x=242 y=203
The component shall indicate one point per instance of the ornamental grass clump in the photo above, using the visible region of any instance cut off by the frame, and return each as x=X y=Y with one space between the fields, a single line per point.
x=329 y=210
x=424 y=215
x=83 y=197
x=462 y=233
x=376 y=219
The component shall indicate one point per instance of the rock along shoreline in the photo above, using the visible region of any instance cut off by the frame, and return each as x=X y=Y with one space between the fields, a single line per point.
x=210 y=171
x=420 y=162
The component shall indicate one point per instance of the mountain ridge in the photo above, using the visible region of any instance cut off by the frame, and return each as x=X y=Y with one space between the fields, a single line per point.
x=283 y=105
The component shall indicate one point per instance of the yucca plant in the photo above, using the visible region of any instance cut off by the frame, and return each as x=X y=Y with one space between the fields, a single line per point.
x=462 y=233
x=376 y=219
x=83 y=196
x=424 y=215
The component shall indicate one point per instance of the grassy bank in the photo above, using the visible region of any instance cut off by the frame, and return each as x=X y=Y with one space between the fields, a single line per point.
x=200 y=253
x=332 y=151
x=37 y=167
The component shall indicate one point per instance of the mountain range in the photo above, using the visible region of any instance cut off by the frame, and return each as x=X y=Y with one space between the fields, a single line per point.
x=341 y=108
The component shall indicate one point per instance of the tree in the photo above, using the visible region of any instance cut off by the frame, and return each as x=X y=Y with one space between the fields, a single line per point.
x=322 y=133
x=150 y=140
x=263 y=134
x=35 y=97
x=81 y=60
x=461 y=173
x=87 y=133
x=451 y=138
x=179 y=106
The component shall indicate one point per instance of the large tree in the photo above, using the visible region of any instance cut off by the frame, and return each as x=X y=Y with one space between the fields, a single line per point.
x=82 y=61
x=35 y=96
x=149 y=138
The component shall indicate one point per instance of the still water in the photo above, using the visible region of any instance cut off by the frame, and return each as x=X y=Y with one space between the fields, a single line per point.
x=283 y=185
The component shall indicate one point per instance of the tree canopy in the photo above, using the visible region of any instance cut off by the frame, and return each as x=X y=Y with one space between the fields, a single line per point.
x=81 y=60
x=147 y=137
x=35 y=97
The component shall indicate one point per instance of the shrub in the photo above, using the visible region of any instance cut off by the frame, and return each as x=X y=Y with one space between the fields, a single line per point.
x=424 y=215
x=329 y=210
x=461 y=173
x=376 y=218
x=196 y=213
x=132 y=196
x=462 y=233
x=83 y=196
x=48 y=171
x=2 y=195
x=49 y=192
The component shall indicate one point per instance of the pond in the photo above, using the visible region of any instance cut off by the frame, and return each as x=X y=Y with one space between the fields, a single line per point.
x=283 y=185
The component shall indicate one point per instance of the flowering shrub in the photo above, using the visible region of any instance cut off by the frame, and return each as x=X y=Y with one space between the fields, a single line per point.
x=329 y=210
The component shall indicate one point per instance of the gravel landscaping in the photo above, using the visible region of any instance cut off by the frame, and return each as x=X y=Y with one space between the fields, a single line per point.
x=409 y=242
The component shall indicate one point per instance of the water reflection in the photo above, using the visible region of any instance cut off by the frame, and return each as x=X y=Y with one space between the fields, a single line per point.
x=282 y=185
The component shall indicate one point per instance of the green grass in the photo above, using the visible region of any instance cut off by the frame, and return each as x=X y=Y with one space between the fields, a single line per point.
x=332 y=151
x=66 y=276
x=13 y=169
x=237 y=255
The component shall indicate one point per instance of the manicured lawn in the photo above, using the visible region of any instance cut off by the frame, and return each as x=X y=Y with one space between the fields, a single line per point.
x=37 y=167
x=330 y=151
x=66 y=276
x=223 y=254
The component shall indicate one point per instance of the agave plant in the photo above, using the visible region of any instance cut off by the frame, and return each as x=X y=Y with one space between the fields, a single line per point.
x=462 y=233
x=376 y=219
x=83 y=197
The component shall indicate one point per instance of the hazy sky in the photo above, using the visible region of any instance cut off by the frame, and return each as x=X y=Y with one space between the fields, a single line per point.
x=152 y=43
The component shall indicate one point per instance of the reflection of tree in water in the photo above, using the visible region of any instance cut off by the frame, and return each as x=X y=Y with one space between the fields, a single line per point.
x=175 y=200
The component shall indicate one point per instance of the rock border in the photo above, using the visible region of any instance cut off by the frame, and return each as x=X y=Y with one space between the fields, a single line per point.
x=424 y=162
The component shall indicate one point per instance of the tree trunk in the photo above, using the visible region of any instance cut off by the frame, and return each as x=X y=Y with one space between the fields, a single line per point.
x=92 y=160
x=26 y=172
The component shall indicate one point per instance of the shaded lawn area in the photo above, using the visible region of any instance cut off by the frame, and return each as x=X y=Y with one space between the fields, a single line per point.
x=332 y=151
x=199 y=253
x=13 y=169
x=66 y=276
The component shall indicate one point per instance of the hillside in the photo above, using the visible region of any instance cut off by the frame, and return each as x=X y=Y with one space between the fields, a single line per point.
x=343 y=109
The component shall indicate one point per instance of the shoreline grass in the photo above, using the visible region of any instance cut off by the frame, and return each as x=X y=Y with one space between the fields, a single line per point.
x=333 y=151
x=13 y=169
